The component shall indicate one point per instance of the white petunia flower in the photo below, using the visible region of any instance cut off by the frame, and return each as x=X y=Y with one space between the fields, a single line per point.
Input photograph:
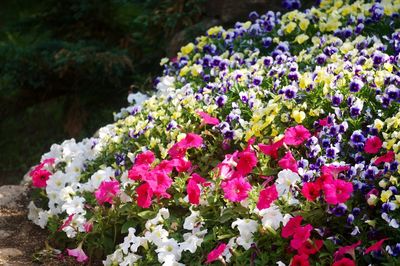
x=157 y=236
x=286 y=178
x=246 y=228
x=192 y=220
x=271 y=217
x=169 y=249
x=162 y=214
x=74 y=206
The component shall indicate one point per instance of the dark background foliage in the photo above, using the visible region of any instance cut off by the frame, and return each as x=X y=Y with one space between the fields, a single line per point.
x=66 y=65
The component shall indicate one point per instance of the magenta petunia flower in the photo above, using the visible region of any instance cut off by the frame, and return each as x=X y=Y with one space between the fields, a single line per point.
x=290 y=228
x=344 y=262
x=271 y=149
x=247 y=161
x=181 y=165
x=193 y=192
x=288 y=162
x=376 y=246
x=192 y=141
x=386 y=158
x=267 y=196
x=144 y=195
x=337 y=191
x=342 y=251
x=301 y=235
x=296 y=135
x=40 y=177
x=159 y=182
x=107 y=191
x=236 y=189
x=146 y=157
x=207 y=119
x=300 y=260
x=216 y=253
x=373 y=145
x=311 y=190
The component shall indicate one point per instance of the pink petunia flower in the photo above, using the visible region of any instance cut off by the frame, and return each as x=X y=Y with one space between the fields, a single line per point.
x=192 y=141
x=159 y=182
x=247 y=161
x=296 y=135
x=311 y=190
x=272 y=149
x=199 y=180
x=107 y=191
x=88 y=226
x=144 y=195
x=311 y=247
x=177 y=151
x=137 y=172
x=146 y=157
x=78 y=253
x=236 y=189
x=288 y=162
x=344 y=262
x=267 y=196
x=376 y=246
x=40 y=177
x=225 y=170
x=66 y=223
x=181 y=164
x=193 y=192
x=337 y=191
x=300 y=236
x=290 y=228
x=334 y=170
x=300 y=260
x=386 y=158
x=373 y=145
x=165 y=166
x=207 y=119
x=339 y=254
x=216 y=253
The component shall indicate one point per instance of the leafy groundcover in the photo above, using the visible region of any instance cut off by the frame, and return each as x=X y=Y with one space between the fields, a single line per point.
x=275 y=142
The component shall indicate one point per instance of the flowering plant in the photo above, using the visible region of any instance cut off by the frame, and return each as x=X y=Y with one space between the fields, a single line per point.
x=275 y=142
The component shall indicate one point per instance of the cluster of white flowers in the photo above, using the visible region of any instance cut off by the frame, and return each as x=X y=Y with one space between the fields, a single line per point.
x=168 y=249
x=64 y=183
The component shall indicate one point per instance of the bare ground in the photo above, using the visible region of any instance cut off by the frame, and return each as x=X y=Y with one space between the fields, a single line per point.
x=22 y=242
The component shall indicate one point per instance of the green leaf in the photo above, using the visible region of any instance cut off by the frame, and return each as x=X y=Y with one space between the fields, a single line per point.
x=146 y=214
x=128 y=224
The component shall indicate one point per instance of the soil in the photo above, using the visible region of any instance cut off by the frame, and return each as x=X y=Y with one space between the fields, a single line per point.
x=21 y=241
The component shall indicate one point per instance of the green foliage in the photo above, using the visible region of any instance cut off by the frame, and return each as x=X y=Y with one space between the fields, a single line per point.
x=73 y=62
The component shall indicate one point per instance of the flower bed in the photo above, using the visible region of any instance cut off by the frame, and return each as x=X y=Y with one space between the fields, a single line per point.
x=275 y=142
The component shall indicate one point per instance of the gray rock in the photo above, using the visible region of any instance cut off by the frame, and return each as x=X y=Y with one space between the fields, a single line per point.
x=10 y=252
x=11 y=196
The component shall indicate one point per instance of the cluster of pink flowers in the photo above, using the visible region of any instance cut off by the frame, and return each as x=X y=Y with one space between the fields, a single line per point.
x=156 y=180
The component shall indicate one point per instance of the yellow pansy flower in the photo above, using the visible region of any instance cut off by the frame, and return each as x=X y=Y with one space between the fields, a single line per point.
x=298 y=116
x=303 y=24
x=290 y=27
x=187 y=49
x=301 y=38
